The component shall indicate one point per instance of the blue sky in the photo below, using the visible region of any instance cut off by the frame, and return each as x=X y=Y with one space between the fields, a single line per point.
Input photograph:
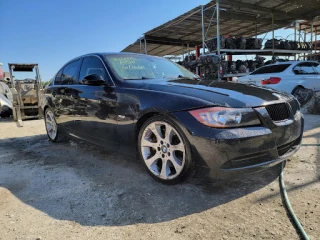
x=53 y=32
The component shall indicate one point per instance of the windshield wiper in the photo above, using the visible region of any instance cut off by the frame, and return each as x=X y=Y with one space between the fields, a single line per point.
x=183 y=77
x=143 y=77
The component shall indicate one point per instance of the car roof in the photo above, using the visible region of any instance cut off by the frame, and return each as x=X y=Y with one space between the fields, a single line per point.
x=290 y=62
x=101 y=54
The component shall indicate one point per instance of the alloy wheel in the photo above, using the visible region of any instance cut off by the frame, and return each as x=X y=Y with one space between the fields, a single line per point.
x=51 y=125
x=163 y=150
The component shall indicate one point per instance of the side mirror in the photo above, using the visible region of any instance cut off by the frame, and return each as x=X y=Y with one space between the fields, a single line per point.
x=93 y=80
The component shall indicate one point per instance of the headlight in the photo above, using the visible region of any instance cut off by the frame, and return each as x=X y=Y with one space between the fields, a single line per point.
x=222 y=117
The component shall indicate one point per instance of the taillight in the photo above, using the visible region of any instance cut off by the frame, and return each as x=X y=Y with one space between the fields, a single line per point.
x=272 y=80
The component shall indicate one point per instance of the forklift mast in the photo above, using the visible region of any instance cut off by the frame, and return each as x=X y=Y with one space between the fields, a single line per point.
x=26 y=92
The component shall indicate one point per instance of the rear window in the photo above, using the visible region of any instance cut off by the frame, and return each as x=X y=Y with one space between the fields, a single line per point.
x=271 y=69
x=307 y=68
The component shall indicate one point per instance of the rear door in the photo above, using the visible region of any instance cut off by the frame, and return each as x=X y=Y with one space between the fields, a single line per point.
x=63 y=91
x=307 y=74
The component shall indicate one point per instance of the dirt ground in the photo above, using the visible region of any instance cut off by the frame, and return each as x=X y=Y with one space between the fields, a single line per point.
x=72 y=190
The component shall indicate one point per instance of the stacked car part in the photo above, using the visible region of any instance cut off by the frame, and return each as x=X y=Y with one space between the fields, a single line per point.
x=235 y=43
x=288 y=45
x=239 y=66
x=208 y=63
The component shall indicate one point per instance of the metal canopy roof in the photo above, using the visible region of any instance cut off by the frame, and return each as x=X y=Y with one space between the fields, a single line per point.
x=237 y=17
x=306 y=26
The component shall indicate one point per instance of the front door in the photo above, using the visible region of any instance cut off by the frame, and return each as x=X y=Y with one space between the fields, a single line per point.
x=94 y=106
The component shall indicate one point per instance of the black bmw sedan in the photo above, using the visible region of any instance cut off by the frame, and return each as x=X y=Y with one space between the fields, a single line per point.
x=177 y=123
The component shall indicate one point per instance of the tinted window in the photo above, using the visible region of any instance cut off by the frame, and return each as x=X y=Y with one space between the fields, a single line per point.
x=70 y=73
x=307 y=68
x=271 y=69
x=57 y=80
x=92 y=65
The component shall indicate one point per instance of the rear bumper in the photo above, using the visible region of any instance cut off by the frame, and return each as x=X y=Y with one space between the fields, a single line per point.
x=228 y=153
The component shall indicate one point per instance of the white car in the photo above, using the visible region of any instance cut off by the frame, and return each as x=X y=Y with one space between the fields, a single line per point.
x=289 y=77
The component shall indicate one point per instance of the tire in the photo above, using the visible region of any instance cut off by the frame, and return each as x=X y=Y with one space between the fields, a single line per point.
x=303 y=95
x=314 y=107
x=165 y=151
x=53 y=133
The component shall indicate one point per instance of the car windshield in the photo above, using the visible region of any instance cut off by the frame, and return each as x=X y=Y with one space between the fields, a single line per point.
x=133 y=67
x=271 y=69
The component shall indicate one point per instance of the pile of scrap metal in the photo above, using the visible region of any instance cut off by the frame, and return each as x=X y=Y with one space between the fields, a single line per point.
x=309 y=100
x=209 y=65
x=232 y=42
x=239 y=66
x=314 y=104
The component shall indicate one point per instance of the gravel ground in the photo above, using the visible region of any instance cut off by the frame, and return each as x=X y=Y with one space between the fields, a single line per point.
x=73 y=190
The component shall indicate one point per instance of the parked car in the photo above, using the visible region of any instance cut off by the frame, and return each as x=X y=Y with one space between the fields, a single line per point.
x=175 y=122
x=290 y=77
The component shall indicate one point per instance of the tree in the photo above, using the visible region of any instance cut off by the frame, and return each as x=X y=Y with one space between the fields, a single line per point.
x=45 y=83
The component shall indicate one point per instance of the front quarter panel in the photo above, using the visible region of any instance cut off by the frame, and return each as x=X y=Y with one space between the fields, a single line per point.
x=135 y=103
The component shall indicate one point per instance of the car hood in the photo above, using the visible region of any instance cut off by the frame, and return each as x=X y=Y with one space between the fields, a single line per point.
x=220 y=93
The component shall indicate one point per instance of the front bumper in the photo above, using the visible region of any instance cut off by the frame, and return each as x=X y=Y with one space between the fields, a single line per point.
x=227 y=153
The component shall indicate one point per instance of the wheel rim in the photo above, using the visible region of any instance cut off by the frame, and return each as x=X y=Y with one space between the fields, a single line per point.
x=303 y=96
x=51 y=125
x=163 y=150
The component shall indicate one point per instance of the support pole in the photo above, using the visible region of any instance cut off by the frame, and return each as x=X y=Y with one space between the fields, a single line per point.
x=299 y=32
x=316 y=32
x=315 y=41
x=256 y=29
x=197 y=52
x=197 y=56
x=311 y=35
x=218 y=26
x=295 y=37
x=188 y=52
x=202 y=23
x=182 y=51
x=145 y=45
x=218 y=36
x=304 y=39
x=272 y=17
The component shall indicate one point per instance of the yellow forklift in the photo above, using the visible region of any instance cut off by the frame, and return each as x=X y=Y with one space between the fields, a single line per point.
x=26 y=93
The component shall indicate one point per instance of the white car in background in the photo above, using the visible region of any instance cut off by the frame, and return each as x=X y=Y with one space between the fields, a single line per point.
x=289 y=77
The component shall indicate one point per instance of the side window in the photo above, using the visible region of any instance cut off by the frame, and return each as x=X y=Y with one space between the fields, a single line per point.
x=92 y=65
x=305 y=68
x=316 y=67
x=57 y=80
x=70 y=73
